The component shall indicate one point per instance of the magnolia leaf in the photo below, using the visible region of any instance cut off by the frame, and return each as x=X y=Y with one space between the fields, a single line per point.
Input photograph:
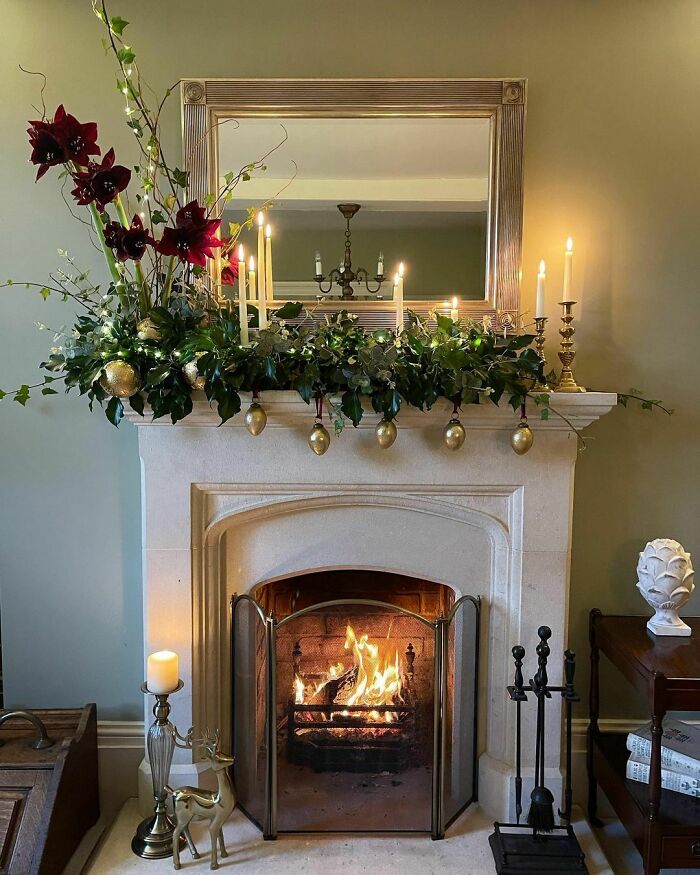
x=117 y=24
x=136 y=403
x=114 y=411
x=157 y=375
x=289 y=310
x=351 y=405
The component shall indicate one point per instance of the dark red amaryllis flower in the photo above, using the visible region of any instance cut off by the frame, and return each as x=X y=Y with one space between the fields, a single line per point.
x=128 y=243
x=193 y=237
x=61 y=140
x=229 y=274
x=100 y=183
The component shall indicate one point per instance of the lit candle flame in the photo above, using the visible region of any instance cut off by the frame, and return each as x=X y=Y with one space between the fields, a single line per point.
x=401 y=268
x=454 y=303
x=268 y=231
x=251 y=263
x=261 y=219
x=241 y=252
x=570 y=244
x=542 y=271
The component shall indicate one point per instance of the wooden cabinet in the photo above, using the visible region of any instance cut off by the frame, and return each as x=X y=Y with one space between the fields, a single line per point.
x=665 y=826
x=48 y=798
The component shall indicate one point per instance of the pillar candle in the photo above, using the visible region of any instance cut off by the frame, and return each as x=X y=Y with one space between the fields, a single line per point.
x=162 y=672
x=568 y=295
x=269 y=288
x=261 y=257
x=454 y=312
x=242 y=302
x=398 y=294
x=380 y=264
x=539 y=306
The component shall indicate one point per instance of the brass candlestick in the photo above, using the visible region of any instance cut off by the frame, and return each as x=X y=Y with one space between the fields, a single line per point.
x=540 y=323
x=567 y=353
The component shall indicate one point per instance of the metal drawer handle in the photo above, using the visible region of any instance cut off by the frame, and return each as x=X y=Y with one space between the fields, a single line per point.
x=40 y=743
x=695 y=848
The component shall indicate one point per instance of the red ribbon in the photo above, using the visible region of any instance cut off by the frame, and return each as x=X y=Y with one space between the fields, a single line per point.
x=319 y=406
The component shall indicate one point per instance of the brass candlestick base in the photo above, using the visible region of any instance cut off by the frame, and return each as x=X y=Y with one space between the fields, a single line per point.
x=540 y=323
x=154 y=835
x=567 y=354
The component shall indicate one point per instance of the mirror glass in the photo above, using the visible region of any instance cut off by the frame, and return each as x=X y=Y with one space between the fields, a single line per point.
x=423 y=185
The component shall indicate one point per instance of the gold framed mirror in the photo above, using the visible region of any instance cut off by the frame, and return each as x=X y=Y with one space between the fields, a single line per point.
x=436 y=165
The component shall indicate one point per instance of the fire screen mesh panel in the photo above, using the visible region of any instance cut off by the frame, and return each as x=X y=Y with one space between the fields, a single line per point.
x=355 y=718
x=354 y=715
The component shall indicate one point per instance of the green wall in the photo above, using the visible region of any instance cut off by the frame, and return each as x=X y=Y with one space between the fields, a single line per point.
x=611 y=158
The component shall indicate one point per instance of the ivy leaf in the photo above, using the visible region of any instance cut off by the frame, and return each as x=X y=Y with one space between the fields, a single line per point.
x=22 y=395
x=180 y=177
x=117 y=24
x=351 y=405
x=544 y=414
x=115 y=411
x=2 y=394
x=125 y=55
x=290 y=310
x=444 y=323
x=45 y=292
x=157 y=218
x=47 y=390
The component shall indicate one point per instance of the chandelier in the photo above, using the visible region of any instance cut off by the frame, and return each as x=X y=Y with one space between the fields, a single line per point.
x=345 y=276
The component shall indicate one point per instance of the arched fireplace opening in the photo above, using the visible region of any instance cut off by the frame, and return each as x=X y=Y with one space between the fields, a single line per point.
x=354 y=703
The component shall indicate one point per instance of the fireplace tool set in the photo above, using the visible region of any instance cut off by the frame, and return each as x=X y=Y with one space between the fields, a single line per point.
x=539 y=845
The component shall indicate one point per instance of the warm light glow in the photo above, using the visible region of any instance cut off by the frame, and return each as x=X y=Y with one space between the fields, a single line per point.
x=268 y=231
x=396 y=279
x=570 y=244
x=455 y=302
x=542 y=273
x=241 y=252
x=251 y=263
x=401 y=268
x=261 y=219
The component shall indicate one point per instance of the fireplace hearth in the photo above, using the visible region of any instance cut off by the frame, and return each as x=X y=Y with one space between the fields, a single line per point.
x=358 y=712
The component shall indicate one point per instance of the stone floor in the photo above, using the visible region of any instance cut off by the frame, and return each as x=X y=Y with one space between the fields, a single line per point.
x=465 y=851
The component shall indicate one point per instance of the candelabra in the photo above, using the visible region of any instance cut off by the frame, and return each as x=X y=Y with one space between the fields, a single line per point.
x=567 y=353
x=346 y=276
x=540 y=325
x=154 y=835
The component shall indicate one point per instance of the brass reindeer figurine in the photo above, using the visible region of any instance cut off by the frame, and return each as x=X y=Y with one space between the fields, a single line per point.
x=191 y=803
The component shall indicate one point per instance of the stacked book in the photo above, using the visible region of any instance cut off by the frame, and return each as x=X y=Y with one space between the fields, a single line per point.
x=680 y=756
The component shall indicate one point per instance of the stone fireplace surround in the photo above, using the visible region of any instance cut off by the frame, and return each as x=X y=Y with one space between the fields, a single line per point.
x=223 y=512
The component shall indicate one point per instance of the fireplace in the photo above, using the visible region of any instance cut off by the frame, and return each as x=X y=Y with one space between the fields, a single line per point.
x=354 y=703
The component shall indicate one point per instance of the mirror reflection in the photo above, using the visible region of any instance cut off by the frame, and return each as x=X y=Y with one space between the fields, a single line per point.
x=422 y=183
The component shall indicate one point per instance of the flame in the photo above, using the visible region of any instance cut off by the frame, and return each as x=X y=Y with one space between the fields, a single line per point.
x=376 y=680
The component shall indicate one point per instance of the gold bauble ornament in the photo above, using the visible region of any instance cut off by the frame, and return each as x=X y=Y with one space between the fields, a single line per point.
x=385 y=432
x=255 y=419
x=120 y=379
x=454 y=434
x=190 y=372
x=319 y=439
x=146 y=329
x=521 y=439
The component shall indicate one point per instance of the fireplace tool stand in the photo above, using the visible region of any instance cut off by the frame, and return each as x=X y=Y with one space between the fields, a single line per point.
x=539 y=846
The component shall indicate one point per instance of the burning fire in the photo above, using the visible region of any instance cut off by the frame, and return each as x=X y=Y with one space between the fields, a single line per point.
x=374 y=679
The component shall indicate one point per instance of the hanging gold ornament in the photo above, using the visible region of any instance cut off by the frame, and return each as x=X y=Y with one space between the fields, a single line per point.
x=190 y=372
x=255 y=419
x=454 y=434
x=522 y=438
x=120 y=379
x=146 y=329
x=385 y=432
x=319 y=439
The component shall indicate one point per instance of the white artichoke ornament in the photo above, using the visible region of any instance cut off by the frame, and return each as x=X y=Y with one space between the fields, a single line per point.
x=665 y=579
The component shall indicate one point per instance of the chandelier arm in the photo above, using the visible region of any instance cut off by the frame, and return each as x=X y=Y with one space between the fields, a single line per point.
x=363 y=276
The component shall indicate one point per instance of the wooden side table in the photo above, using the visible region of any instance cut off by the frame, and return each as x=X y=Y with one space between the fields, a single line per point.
x=665 y=826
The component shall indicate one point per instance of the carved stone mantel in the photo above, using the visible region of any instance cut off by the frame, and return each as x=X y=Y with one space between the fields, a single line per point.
x=224 y=511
